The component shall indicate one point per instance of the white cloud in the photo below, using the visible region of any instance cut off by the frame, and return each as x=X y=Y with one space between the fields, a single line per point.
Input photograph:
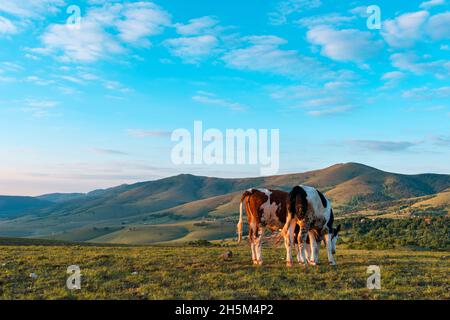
x=329 y=111
x=143 y=133
x=39 y=108
x=360 y=11
x=115 y=86
x=408 y=29
x=41 y=103
x=391 y=79
x=431 y=3
x=393 y=75
x=323 y=101
x=263 y=54
x=7 y=79
x=198 y=26
x=39 y=81
x=405 y=30
x=286 y=8
x=427 y=93
x=192 y=49
x=6 y=26
x=141 y=20
x=416 y=92
x=12 y=66
x=104 y=31
x=388 y=146
x=338 y=85
x=344 y=45
x=438 y=27
x=334 y=19
x=68 y=90
x=112 y=152
x=200 y=39
x=210 y=99
x=22 y=13
x=87 y=44
x=30 y=8
x=411 y=62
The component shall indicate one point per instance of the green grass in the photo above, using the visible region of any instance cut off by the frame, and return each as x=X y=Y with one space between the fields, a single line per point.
x=183 y=272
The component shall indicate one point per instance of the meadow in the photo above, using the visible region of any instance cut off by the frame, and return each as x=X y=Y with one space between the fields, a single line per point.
x=197 y=272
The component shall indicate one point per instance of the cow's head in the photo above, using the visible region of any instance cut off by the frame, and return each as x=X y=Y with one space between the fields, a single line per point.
x=335 y=237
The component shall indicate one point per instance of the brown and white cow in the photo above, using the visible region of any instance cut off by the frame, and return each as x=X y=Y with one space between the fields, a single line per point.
x=308 y=208
x=267 y=208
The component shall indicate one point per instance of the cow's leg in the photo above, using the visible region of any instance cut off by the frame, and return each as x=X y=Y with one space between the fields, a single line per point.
x=297 y=251
x=316 y=251
x=329 y=249
x=252 y=245
x=302 y=242
x=258 y=245
x=312 y=248
x=288 y=242
x=252 y=236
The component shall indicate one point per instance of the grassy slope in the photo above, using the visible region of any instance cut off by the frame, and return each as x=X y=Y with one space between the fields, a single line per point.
x=197 y=273
x=144 y=234
x=441 y=199
x=166 y=233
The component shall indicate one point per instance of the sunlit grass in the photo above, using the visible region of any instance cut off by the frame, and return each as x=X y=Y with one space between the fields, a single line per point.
x=198 y=273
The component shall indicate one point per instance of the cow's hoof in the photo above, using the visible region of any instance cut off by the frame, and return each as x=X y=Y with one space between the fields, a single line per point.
x=313 y=263
x=332 y=263
x=289 y=264
x=255 y=262
x=259 y=263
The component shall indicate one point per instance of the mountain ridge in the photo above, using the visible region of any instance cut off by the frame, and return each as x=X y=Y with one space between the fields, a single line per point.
x=187 y=197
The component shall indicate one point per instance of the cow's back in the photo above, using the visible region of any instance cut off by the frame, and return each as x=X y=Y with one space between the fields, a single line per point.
x=267 y=207
x=319 y=208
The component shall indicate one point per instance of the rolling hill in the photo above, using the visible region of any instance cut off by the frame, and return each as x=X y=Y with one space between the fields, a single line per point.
x=133 y=213
x=13 y=206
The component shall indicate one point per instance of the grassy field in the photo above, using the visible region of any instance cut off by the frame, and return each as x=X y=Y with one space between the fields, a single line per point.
x=183 y=272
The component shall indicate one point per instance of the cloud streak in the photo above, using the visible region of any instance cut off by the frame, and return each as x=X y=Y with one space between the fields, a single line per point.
x=211 y=99
x=144 y=133
x=386 y=146
x=112 y=152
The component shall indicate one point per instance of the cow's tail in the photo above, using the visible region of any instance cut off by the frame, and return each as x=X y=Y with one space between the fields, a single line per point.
x=240 y=223
x=241 y=220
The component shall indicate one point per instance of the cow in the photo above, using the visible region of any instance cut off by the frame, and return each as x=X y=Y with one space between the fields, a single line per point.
x=267 y=208
x=309 y=208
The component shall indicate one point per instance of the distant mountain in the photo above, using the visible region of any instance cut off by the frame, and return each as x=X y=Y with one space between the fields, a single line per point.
x=180 y=199
x=60 y=197
x=13 y=206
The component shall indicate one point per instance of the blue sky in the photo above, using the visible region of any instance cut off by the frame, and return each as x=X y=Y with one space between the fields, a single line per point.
x=94 y=107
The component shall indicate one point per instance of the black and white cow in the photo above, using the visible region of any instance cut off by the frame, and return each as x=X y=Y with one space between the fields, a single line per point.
x=309 y=209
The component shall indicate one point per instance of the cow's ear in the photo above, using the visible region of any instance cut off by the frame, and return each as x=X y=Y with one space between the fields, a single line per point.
x=338 y=228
